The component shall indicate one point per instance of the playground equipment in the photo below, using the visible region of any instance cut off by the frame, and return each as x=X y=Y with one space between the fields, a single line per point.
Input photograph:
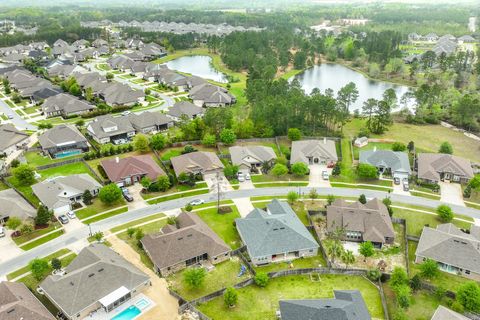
x=243 y=270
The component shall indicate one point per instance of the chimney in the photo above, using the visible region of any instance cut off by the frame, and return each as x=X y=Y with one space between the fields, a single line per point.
x=325 y=140
x=117 y=159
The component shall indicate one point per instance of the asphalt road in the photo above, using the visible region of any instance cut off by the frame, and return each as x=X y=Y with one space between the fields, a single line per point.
x=17 y=120
x=104 y=225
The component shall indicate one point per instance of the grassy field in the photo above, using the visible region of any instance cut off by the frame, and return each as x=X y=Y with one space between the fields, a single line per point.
x=256 y=303
x=171 y=152
x=417 y=220
x=371 y=146
x=65 y=170
x=403 y=132
x=222 y=224
x=224 y=275
x=97 y=207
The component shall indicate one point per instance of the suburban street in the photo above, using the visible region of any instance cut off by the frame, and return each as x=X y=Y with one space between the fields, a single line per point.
x=17 y=120
x=80 y=234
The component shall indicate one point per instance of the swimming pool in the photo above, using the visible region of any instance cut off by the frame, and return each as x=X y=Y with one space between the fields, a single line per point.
x=128 y=314
x=67 y=153
x=142 y=304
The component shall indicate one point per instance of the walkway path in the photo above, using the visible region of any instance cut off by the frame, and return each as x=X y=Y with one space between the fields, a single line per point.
x=71 y=238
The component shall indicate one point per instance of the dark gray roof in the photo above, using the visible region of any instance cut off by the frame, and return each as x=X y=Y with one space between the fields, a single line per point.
x=211 y=94
x=148 y=119
x=66 y=103
x=96 y=272
x=108 y=126
x=449 y=245
x=394 y=160
x=63 y=134
x=347 y=305
x=185 y=108
x=274 y=231
x=13 y=205
x=18 y=303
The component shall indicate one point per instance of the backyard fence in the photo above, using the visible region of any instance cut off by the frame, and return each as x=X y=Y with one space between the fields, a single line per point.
x=59 y=164
x=405 y=239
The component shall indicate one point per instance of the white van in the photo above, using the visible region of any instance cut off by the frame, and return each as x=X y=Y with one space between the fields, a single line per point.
x=2 y=232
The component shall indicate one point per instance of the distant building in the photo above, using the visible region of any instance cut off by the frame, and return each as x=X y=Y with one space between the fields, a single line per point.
x=360 y=142
x=11 y=139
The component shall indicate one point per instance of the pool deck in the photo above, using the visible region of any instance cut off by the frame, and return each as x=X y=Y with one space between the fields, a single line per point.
x=102 y=315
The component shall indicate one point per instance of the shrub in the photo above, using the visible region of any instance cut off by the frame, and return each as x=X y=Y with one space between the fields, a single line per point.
x=362 y=199
x=468 y=295
x=209 y=140
x=299 y=169
x=292 y=196
x=398 y=146
x=445 y=213
x=56 y=264
x=194 y=277
x=294 y=134
x=446 y=147
x=24 y=174
x=261 y=279
x=279 y=170
x=110 y=194
x=38 y=268
x=374 y=274
x=230 y=297
x=429 y=269
x=367 y=171
x=228 y=136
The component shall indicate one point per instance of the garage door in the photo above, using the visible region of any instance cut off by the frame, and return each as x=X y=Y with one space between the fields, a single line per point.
x=400 y=175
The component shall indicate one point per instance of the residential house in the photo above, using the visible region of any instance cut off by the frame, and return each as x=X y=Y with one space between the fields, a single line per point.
x=173 y=79
x=120 y=62
x=361 y=222
x=454 y=250
x=62 y=71
x=134 y=43
x=184 y=109
x=251 y=158
x=58 y=194
x=65 y=105
x=431 y=37
x=13 y=204
x=106 y=129
x=152 y=51
x=129 y=170
x=19 y=303
x=84 y=79
x=346 y=305
x=120 y=94
x=360 y=142
x=40 y=95
x=97 y=43
x=150 y=122
x=436 y=167
x=198 y=162
x=11 y=139
x=390 y=162
x=443 y=313
x=97 y=279
x=466 y=39
x=63 y=141
x=314 y=152
x=185 y=244
x=60 y=43
x=80 y=45
x=275 y=235
x=209 y=95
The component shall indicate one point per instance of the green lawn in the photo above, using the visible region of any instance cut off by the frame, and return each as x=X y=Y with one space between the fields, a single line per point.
x=37 y=233
x=106 y=215
x=224 y=275
x=175 y=189
x=301 y=263
x=178 y=195
x=42 y=240
x=134 y=223
x=269 y=178
x=36 y=159
x=371 y=146
x=463 y=146
x=280 y=184
x=97 y=207
x=26 y=269
x=261 y=303
x=444 y=279
x=65 y=170
x=417 y=220
x=423 y=304
x=30 y=110
x=169 y=153
x=222 y=224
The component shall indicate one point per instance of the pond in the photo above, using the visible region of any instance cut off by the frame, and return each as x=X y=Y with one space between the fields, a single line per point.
x=335 y=76
x=200 y=66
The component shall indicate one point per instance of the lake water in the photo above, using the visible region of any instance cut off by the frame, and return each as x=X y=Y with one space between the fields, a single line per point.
x=335 y=76
x=200 y=66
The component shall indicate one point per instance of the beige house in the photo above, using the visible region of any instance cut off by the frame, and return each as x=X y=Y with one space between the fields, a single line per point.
x=199 y=162
x=436 y=167
x=314 y=152
x=186 y=244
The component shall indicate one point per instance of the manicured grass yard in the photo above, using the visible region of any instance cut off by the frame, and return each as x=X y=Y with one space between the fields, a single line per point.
x=224 y=275
x=371 y=146
x=26 y=190
x=36 y=159
x=301 y=263
x=97 y=207
x=30 y=110
x=178 y=195
x=426 y=137
x=26 y=269
x=169 y=153
x=417 y=220
x=42 y=240
x=106 y=215
x=261 y=303
x=37 y=233
x=175 y=189
x=269 y=178
x=65 y=170
x=222 y=224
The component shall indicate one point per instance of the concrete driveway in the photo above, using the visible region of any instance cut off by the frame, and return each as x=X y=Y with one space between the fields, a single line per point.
x=451 y=193
x=398 y=189
x=138 y=202
x=8 y=248
x=315 y=178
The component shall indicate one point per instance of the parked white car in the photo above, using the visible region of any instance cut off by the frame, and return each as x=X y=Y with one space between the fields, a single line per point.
x=197 y=202
x=325 y=175
x=240 y=177
x=2 y=232
x=247 y=176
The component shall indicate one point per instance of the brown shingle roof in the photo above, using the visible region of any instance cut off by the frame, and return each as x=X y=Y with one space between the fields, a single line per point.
x=196 y=162
x=119 y=169
x=430 y=165
x=191 y=239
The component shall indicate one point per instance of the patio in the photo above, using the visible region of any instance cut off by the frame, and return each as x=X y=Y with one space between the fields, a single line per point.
x=141 y=302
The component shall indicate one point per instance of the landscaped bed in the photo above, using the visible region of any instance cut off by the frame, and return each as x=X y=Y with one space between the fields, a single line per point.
x=224 y=275
x=261 y=303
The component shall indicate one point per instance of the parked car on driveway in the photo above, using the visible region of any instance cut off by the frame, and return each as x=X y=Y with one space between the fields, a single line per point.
x=247 y=176
x=396 y=180
x=406 y=187
x=197 y=202
x=241 y=177
x=63 y=219
x=2 y=232
x=127 y=195
x=71 y=215
x=325 y=175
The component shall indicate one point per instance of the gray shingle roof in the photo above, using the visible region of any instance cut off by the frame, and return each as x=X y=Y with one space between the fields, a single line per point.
x=92 y=275
x=104 y=126
x=277 y=230
x=394 y=160
x=148 y=119
x=303 y=149
x=56 y=192
x=185 y=108
x=13 y=205
x=211 y=94
x=449 y=245
x=61 y=135
x=17 y=302
x=66 y=103
x=347 y=305
x=431 y=164
x=195 y=162
x=443 y=313
x=245 y=155
x=192 y=239
x=10 y=136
